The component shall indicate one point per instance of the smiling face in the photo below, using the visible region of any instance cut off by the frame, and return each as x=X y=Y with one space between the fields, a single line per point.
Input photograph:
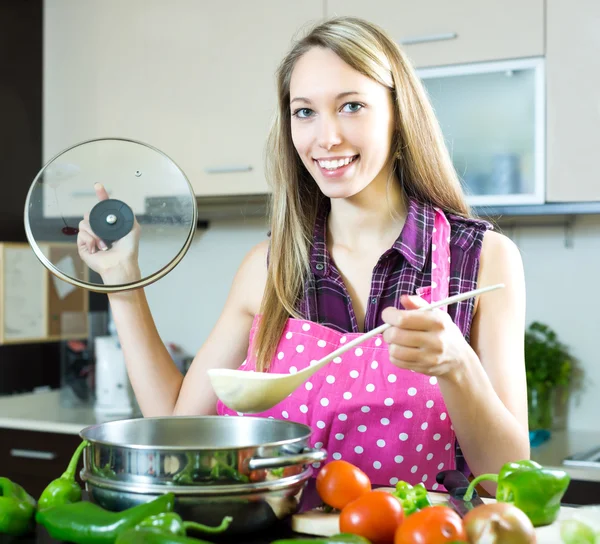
x=342 y=124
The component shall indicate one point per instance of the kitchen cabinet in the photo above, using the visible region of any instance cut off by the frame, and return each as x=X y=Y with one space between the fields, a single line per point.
x=35 y=306
x=438 y=32
x=34 y=458
x=573 y=91
x=194 y=79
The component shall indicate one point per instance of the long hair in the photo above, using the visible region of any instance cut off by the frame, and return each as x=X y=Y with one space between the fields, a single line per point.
x=419 y=154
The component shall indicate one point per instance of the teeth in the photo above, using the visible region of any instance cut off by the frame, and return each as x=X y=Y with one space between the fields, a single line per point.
x=333 y=165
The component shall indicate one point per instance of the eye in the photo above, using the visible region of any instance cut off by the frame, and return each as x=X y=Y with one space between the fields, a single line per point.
x=352 y=107
x=302 y=113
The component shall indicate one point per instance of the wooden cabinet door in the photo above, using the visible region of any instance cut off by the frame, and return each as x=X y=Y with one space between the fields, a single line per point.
x=192 y=78
x=573 y=87
x=34 y=458
x=438 y=32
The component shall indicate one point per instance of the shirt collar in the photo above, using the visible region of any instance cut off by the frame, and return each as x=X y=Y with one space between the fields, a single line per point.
x=413 y=242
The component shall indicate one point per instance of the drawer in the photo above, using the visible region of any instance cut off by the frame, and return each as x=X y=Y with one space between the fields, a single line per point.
x=34 y=458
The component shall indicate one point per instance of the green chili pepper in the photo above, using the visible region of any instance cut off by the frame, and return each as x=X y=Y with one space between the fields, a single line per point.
x=65 y=489
x=170 y=522
x=88 y=523
x=412 y=498
x=150 y=536
x=342 y=538
x=17 y=508
x=530 y=487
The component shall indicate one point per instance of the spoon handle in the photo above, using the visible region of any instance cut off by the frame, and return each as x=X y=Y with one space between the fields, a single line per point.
x=360 y=339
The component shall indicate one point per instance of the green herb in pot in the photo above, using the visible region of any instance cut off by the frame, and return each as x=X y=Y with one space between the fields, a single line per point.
x=17 y=509
x=549 y=368
x=65 y=489
x=88 y=523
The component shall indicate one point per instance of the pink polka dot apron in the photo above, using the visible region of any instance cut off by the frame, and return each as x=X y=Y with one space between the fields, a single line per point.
x=391 y=422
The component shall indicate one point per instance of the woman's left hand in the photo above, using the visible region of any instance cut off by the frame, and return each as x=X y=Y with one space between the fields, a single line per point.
x=428 y=342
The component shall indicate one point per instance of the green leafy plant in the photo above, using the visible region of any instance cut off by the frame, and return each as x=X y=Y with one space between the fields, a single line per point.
x=549 y=367
x=547 y=361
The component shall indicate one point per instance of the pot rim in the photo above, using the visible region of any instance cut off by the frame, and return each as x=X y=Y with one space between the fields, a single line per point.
x=184 y=448
x=192 y=490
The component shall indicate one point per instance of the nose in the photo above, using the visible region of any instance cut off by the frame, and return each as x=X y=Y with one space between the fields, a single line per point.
x=329 y=134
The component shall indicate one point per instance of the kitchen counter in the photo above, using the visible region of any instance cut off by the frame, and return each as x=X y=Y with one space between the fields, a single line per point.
x=43 y=412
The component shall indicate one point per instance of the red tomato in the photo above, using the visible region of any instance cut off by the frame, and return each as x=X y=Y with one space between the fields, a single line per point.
x=432 y=525
x=375 y=516
x=339 y=483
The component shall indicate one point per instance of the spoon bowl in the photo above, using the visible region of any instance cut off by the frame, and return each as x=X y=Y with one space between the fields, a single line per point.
x=254 y=392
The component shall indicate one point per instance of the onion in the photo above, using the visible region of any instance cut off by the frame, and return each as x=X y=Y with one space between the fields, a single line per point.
x=498 y=523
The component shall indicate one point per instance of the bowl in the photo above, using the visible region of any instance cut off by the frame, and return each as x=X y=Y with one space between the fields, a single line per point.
x=252 y=469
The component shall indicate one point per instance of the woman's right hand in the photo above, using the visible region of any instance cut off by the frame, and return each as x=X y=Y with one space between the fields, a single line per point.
x=116 y=265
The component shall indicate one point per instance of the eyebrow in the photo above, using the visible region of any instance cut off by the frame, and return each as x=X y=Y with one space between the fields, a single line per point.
x=341 y=95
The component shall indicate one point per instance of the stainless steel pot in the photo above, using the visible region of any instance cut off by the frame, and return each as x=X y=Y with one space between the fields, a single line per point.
x=253 y=469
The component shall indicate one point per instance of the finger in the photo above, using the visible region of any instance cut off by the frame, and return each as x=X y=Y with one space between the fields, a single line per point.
x=86 y=227
x=86 y=242
x=101 y=192
x=411 y=320
x=403 y=354
x=413 y=302
x=426 y=320
x=406 y=337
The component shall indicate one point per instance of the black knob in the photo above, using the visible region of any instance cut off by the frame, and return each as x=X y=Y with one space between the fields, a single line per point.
x=111 y=220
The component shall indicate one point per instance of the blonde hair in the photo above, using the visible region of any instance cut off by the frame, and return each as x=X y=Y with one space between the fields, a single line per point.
x=422 y=163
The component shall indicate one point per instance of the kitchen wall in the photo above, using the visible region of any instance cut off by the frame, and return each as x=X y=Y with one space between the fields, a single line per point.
x=561 y=291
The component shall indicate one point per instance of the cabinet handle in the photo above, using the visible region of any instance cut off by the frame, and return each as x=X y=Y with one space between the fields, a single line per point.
x=228 y=169
x=429 y=38
x=33 y=454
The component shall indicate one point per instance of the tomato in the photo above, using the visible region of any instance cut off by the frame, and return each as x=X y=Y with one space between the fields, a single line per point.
x=340 y=482
x=375 y=516
x=432 y=525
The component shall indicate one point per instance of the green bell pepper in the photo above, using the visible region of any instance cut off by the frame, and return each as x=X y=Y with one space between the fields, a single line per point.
x=65 y=489
x=166 y=528
x=17 y=509
x=535 y=490
x=412 y=498
x=342 y=538
x=88 y=523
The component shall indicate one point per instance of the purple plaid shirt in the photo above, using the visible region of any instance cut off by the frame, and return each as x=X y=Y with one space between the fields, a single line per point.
x=402 y=269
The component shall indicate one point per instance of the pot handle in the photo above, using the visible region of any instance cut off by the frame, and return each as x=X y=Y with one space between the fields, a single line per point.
x=305 y=456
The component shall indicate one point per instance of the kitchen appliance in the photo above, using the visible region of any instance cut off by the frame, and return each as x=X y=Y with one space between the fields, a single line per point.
x=114 y=395
x=252 y=469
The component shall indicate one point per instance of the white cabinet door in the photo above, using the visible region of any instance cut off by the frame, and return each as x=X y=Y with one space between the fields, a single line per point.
x=573 y=87
x=439 y=32
x=191 y=77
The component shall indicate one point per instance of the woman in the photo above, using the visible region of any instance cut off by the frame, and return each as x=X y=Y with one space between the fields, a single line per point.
x=366 y=210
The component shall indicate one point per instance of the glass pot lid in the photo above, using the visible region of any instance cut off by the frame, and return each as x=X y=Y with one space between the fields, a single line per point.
x=89 y=236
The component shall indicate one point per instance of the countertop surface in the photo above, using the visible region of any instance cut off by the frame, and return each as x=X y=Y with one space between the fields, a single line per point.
x=44 y=412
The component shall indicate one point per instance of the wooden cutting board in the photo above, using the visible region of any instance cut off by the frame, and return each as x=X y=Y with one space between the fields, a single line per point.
x=318 y=523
